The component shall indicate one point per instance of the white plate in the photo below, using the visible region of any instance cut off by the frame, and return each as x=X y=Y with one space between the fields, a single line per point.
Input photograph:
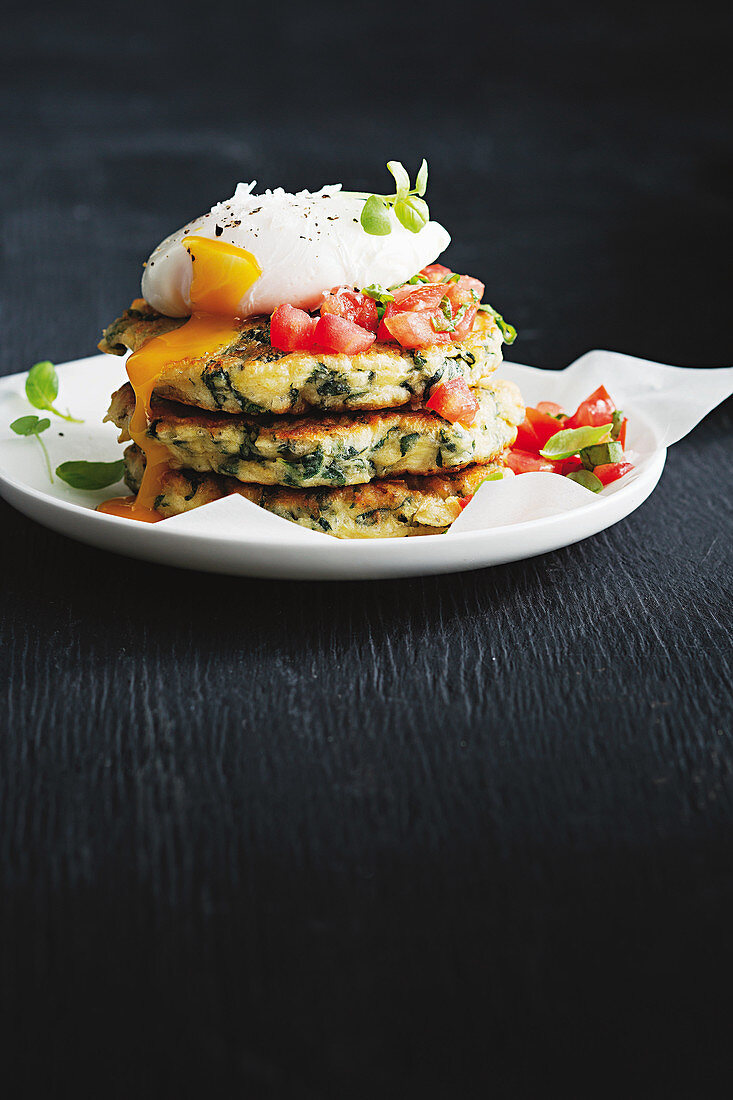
x=233 y=536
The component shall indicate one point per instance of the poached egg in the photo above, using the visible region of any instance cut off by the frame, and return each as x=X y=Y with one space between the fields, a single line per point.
x=305 y=244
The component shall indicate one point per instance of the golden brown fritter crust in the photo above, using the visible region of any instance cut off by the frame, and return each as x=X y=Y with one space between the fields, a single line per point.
x=382 y=509
x=328 y=450
x=251 y=376
x=137 y=324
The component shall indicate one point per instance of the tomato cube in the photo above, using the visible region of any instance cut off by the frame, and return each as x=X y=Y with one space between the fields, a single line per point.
x=359 y=308
x=464 y=326
x=543 y=425
x=413 y=330
x=550 y=407
x=436 y=273
x=526 y=437
x=523 y=462
x=612 y=471
x=337 y=334
x=291 y=329
x=453 y=401
x=595 y=410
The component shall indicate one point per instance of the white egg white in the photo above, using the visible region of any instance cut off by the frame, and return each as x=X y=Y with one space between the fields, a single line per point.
x=304 y=243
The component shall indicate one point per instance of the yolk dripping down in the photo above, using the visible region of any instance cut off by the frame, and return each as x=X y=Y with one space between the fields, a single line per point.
x=222 y=274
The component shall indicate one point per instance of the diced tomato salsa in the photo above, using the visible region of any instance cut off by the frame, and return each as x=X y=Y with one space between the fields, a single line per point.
x=547 y=418
x=436 y=307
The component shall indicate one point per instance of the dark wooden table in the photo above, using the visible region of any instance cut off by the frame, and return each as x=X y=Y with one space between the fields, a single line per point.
x=461 y=836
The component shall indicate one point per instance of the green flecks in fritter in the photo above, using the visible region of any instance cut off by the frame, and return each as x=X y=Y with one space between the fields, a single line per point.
x=407 y=442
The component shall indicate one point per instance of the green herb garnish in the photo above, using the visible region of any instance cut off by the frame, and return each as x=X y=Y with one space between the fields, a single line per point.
x=31 y=425
x=508 y=331
x=586 y=479
x=42 y=389
x=448 y=323
x=409 y=206
x=380 y=296
x=569 y=441
x=90 y=475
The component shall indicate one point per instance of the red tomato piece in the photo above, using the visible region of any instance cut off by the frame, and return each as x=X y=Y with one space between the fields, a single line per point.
x=622 y=432
x=413 y=330
x=359 y=308
x=291 y=329
x=612 y=471
x=341 y=335
x=550 y=408
x=383 y=333
x=436 y=273
x=422 y=328
x=544 y=426
x=464 y=326
x=526 y=438
x=453 y=401
x=595 y=410
x=463 y=501
x=467 y=291
x=570 y=465
x=413 y=298
x=523 y=462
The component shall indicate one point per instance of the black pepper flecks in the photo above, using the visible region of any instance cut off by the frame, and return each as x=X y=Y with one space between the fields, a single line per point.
x=219 y=229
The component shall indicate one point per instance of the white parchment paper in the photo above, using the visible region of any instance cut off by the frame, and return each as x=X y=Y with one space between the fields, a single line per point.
x=663 y=404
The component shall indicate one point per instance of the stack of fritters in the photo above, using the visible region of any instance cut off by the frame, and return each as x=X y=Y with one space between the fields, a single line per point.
x=336 y=443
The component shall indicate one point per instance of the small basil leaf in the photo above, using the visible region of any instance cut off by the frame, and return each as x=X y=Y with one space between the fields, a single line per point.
x=401 y=177
x=421 y=183
x=90 y=475
x=413 y=213
x=586 y=479
x=569 y=441
x=42 y=385
x=375 y=217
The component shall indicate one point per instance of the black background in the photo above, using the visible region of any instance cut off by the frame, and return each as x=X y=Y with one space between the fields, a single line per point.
x=460 y=836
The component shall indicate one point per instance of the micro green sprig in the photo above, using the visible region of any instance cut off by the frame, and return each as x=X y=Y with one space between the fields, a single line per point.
x=32 y=425
x=42 y=389
x=408 y=203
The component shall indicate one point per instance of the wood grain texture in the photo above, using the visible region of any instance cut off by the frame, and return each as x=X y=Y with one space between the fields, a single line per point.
x=460 y=836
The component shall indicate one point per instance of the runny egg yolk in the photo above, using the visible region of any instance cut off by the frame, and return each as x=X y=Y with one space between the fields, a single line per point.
x=222 y=274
